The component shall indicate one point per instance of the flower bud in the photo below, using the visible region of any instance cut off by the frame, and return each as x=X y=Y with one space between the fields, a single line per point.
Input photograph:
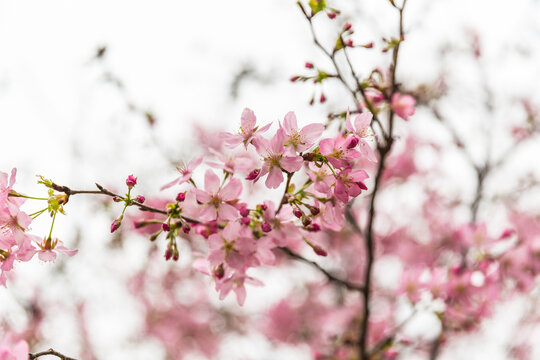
x=219 y=272
x=306 y=221
x=116 y=199
x=244 y=212
x=331 y=15
x=181 y=196
x=294 y=78
x=319 y=250
x=315 y=227
x=186 y=228
x=265 y=227
x=309 y=65
x=298 y=213
x=349 y=43
x=264 y=207
x=131 y=181
x=166 y=227
x=362 y=185
x=245 y=221
x=347 y=27
x=253 y=174
x=116 y=224
x=140 y=199
x=353 y=142
x=313 y=210
x=322 y=99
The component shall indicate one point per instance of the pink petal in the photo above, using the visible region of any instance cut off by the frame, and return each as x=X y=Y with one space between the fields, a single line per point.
x=241 y=294
x=227 y=212
x=276 y=145
x=208 y=213
x=248 y=119
x=292 y=163
x=170 y=184
x=326 y=146
x=192 y=165
x=363 y=121
x=275 y=178
x=312 y=132
x=211 y=182
x=348 y=123
x=64 y=250
x=232 y=190
x=289 y=123
x=264 y=128
x=231 y=140
x=202 y=196
x=46 y=255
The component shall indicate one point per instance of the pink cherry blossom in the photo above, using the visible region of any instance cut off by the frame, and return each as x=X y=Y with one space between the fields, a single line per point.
x=248 y=130
x=349 y=183
x=235 y=163
x=403 y=105
x=234 y=245
x=214 y=198
x=338 y=151
x=235 y=281
x=362 y=131
x=283 y=230
x=300 y=140
x=274 y=160
x=47 y=245
x=322 y=179
x=186 y=170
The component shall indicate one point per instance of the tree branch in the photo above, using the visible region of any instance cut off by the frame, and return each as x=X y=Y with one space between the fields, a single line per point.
x=49 y=352
x=330 y=277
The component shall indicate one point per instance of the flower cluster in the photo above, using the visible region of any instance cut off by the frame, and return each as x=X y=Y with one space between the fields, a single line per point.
x=16 y=244
x=321 y=177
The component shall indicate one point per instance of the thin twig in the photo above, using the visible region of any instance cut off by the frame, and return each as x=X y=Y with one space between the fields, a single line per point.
x=330 y=277
x=49 y=352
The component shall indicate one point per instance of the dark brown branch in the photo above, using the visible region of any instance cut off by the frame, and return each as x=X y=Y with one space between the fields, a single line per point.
x=363 y=352
x=330 y=277
x=49 y=352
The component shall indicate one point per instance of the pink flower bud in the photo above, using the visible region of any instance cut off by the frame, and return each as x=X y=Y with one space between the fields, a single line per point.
x=298 y=213
x=168 y=253
x=319 y=250
x=176 y=256
x=245 y=221
x=350 y=43
x=166 y=227
x=219 y=271
x=140 y=199
x=264 y=207
x=353 y=142
x=244 y=212
x=116 y=224
x=507 y=233
x=253 y=174
x=131 y=181
x=306 y=221
x=362 y=185
x=181 y=197
x=322 y=99
x=294 y=78
x=314 y=210
x=265 y=227
x=186 y=228
x=331 y=15
x=315 y=227
x=309 y=65
x=347 y=27
x=116 y=199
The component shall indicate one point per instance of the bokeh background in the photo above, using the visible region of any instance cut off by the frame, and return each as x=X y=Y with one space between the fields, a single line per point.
x=94 y=91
